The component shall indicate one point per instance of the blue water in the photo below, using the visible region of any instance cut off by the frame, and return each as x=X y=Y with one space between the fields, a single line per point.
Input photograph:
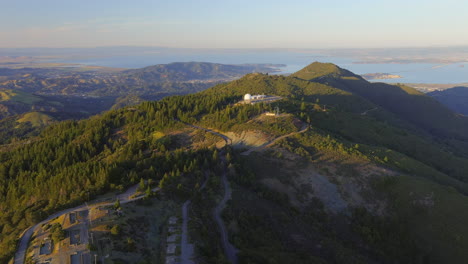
x=411 y=73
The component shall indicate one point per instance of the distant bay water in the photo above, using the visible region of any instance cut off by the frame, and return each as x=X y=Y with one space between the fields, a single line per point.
x=411 y=72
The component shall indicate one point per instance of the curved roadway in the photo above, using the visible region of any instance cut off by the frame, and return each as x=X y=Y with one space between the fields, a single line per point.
x=229 y=250
x=186 y=249
x=226 y=138
x=26 y=236
x=304 y=128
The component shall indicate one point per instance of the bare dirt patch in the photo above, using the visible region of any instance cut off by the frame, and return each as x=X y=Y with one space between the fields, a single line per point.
x=246 y=139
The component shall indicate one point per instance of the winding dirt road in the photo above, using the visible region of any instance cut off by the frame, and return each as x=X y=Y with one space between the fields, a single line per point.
x=367 y=111
x=304 y=128
x=229 y=250
x=224 y=137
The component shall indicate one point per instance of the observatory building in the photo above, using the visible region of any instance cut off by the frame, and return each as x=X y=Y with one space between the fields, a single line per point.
x=259 y=98
x=248 y=97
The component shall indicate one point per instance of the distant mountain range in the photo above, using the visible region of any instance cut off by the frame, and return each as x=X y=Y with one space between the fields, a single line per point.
x=83 y=91
x=164 y=78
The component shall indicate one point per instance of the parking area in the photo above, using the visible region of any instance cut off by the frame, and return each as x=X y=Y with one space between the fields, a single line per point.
x=75 y=259
x=72 y=217
x=46 y=247
x=75 y=237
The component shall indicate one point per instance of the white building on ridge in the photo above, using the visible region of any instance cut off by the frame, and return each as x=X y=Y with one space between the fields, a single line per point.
x=248 y=97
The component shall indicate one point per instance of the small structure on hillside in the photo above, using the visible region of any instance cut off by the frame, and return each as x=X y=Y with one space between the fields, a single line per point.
x=276 y=113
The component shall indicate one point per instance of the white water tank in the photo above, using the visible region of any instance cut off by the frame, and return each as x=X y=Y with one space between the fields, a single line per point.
x=247 y=97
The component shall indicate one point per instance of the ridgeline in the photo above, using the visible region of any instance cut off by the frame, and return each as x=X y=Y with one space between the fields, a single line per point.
x=380 y=176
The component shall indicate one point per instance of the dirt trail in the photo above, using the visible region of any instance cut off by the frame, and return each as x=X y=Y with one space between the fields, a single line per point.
x=304 y=128
x=367 y=111
x=224 y=137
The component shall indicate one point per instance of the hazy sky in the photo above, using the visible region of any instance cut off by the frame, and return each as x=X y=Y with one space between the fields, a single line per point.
x=233 y=23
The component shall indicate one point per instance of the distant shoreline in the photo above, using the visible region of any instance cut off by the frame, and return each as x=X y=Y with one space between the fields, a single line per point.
x=431 y=87
x=380 y=76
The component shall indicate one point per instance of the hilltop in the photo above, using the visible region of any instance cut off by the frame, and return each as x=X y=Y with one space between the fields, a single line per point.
x=359 y=173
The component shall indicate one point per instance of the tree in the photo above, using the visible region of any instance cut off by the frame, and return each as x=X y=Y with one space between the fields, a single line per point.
x=131 y=246
x=57 y=233
x=117 y=204
x=148 y=191
x=303 y=106
x=141 y=185
x=115 y=230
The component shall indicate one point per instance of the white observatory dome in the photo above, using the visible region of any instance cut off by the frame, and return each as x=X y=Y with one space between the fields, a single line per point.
x=247 y=97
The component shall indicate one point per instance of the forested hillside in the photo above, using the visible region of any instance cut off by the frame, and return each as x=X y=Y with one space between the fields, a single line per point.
x=368 y=182
x=80 y=92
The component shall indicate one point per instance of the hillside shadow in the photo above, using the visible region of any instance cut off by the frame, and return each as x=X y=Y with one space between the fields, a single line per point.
x=455 y=98
x=410 y=105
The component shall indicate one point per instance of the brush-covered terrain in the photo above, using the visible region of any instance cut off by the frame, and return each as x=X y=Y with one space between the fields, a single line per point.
x=369 y=172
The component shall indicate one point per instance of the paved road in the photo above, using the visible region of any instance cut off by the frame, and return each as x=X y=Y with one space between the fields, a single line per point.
x=229 y=250
x=26 y=236
x=304 y=128
x=186 y=247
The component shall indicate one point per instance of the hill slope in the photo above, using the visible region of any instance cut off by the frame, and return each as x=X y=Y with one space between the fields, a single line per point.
x=405 y=102
x=364 y=184
x=454 y=98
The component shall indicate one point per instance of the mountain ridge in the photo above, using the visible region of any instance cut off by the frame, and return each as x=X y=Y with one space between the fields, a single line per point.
x=394 y=180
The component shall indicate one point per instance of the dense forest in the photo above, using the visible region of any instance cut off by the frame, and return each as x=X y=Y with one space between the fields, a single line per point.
x=351 y=127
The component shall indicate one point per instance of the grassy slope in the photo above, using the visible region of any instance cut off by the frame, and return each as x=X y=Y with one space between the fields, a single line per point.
x=18 y=96
x=36 y=119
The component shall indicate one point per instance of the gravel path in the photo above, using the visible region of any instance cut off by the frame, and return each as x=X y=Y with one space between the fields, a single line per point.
x=304 y=128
